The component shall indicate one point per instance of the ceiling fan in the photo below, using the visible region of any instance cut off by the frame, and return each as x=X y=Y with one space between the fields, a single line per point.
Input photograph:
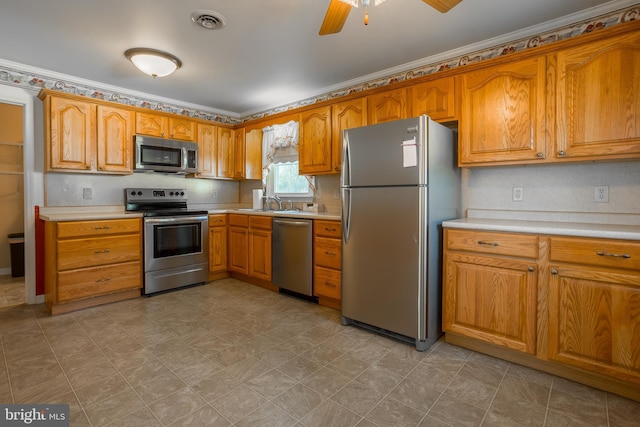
x=338 y=12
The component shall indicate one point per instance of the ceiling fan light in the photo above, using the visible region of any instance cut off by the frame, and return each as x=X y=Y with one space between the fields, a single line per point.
x=155 y=63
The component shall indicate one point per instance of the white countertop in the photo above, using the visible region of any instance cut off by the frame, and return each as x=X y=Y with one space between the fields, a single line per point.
x=76 y=213
x=609 y=231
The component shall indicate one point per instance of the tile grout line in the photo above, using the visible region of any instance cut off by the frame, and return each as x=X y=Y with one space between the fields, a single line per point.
x=504 y=375
x=6 y=368
x=546 y=411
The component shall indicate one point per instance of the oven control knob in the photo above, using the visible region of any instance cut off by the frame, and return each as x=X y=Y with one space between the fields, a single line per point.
x=139 y=193
x=133 y=193
x=171 y=194
x=182 y=193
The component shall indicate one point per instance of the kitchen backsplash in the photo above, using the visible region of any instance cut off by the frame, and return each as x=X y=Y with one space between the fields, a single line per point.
x=556 y=192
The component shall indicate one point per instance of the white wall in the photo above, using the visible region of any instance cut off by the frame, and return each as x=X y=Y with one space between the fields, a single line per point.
x=561 y=189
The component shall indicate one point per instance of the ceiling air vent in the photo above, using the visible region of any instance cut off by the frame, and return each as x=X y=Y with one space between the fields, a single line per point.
x=208 y=19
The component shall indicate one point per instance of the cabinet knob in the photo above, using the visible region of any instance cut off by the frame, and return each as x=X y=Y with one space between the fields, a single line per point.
x=541 y=155
x=554 y=271
x=561 y=153
x=531 y=269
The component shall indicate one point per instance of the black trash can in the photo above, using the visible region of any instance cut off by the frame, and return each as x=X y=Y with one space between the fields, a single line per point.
x=16 y=242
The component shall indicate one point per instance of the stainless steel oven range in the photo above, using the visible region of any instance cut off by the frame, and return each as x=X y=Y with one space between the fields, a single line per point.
x=175 y=239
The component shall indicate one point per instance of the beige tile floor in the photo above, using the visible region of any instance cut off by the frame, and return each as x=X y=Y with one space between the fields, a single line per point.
x=11 y=290
x=229 y=353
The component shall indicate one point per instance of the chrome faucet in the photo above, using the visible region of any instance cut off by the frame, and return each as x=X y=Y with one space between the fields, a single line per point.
x=275 y=198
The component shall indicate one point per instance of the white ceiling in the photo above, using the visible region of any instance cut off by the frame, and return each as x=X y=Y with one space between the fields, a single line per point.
x=268 y=54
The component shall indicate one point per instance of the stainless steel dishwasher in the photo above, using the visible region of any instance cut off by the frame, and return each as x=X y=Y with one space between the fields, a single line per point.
x=293 y=255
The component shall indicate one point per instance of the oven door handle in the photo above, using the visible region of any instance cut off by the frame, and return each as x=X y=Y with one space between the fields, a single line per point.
x=176 y=220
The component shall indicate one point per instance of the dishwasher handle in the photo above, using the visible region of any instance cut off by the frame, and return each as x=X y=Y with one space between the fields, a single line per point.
x=294 y=223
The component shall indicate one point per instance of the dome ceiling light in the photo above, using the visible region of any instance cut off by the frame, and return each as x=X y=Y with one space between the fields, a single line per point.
x=155 y=63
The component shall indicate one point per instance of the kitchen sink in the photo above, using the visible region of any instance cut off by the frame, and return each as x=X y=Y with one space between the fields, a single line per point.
x=286 y=211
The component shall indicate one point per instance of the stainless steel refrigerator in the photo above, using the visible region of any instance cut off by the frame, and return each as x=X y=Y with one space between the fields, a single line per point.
x=399 y=181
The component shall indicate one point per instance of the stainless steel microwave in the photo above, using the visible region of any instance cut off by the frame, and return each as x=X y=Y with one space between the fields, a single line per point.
x=165 y=155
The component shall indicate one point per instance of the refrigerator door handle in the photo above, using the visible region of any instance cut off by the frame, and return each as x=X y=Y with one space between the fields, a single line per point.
x=346 y=161
x=346 y=213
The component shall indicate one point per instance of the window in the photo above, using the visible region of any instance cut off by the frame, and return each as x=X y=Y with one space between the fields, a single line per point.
x=286 y=182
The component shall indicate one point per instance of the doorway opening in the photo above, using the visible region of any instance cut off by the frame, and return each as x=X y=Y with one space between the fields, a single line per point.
x=12 y=281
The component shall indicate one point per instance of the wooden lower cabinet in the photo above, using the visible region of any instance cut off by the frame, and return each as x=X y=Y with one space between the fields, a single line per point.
x=576 y=315
x=238 y=243
x=487 y=295
x=89 y=263
x=218 y=243
x=327 y=265
x=260 y=247
x=594 y=306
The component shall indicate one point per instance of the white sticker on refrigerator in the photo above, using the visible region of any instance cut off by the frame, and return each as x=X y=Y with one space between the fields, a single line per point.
x=409 y=153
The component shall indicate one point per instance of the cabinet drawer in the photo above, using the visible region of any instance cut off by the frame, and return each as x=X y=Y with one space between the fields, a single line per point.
x=327 y=228
x=239 y=220
x=520 y=245
x=326 y=282
x=90 y=282
x=262 y=222
x=328 y=253
x=596 y=252
x=217 y=220
x=98 y=251
x=97 y=228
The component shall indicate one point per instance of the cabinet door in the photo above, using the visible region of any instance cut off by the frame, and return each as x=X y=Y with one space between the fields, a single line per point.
x=238 y=155
x=151 y=124
x=207 y=150
x=72 y=138
x=502 y=116
x=491 y=299
x=217 y=249
x=226 y=152
x=115 y=139
x=260 y=254
x=183 y=129
x=253 y=154
x=238 y=249
x=598 y=99
x=436 y=99
x=594 y=320
x=345 y=115
x=315 y=141
x=387 y=106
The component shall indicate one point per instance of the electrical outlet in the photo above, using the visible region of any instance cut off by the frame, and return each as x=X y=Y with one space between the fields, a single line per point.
x=336 y=194
x=601 y=194
x=517 y=194
x=214 y=194
x=87 y=193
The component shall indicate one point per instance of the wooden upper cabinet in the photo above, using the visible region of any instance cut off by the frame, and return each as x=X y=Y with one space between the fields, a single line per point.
x=239 y=153
x=151 y=124
x=71 y=134
x=253 y=154
x=345 y=115
x=226 y=153
x=435 y=98
x=502 y=116
x=115 y=139
x=387 y=106
x=180 y=128
x=207 y=150
x=598 y=99
x=314 y=147
x=162 y=126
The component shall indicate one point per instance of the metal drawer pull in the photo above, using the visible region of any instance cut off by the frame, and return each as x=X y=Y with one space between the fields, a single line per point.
x=554 y=271
x=601 y=253
x=329 y=284
x=329 y=229
x=106 y=227
x=531 y=269
x=105 y=251
x=330 y=253
x=482 y=242
x=103 y=280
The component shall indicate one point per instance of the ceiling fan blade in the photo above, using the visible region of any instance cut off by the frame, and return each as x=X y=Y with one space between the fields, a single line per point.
x=442 y=5
x=335 y=18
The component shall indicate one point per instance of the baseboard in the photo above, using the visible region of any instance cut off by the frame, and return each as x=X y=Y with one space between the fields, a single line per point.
x=5 y=271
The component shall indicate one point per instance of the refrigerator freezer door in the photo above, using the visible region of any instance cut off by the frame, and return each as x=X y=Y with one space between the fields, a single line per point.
x=386 y=154
x=383 y=253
